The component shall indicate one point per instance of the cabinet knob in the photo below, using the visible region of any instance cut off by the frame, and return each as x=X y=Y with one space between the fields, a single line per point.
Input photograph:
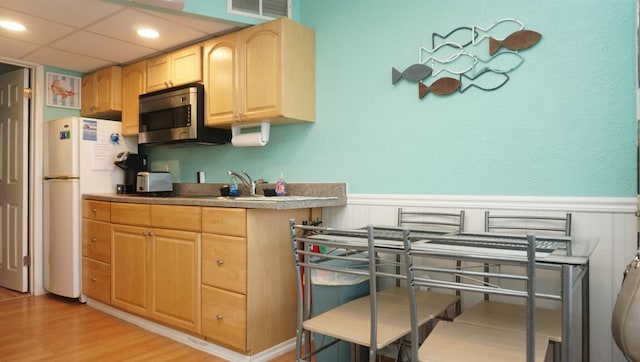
x=93 y=240
x=219 y=317
x=93 y=280
x=219 y=261
x=146 y=233
x=94 y=210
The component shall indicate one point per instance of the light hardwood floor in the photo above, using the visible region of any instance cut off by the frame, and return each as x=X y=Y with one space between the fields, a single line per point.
x=50 y=328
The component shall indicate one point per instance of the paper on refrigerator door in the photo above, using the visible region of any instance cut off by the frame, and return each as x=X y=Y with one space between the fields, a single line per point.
x=103 y=147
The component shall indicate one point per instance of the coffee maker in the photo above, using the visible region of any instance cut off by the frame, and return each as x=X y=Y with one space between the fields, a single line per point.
x=131 y=163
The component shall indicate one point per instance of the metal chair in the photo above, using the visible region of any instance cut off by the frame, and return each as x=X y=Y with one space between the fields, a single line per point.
x=437 y=223
x=540 y=225
x=452 y=341
x=374 y=321
x=512 y=316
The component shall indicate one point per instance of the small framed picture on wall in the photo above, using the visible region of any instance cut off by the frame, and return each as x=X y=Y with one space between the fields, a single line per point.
x=63 y=90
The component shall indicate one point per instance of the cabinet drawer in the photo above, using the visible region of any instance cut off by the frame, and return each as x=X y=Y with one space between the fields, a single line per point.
x=96 y=280
x=130 y=214
x=227 y=221
x=96 y=210
x=176 y=217
x=96 y=240
x=224 y=318
x=224 y=262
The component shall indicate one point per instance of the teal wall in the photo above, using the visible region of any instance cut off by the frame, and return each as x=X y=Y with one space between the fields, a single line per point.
x=564 y=124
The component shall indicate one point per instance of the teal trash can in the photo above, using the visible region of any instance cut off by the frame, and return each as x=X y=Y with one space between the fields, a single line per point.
x=329 y=291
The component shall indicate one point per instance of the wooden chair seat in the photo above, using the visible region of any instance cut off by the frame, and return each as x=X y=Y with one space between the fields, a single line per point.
x=455 y=342
x=394 y=320
x=513 y=317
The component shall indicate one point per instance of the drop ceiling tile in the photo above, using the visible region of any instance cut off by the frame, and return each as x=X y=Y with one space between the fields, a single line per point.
x=200 y=23
x=64 y=11
x=102 y=47
x=65 y=60
x=38 y=31
x=12 y=48
x=125 y=24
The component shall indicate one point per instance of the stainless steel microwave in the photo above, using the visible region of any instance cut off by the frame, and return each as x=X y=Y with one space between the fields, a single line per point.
x=176 y=115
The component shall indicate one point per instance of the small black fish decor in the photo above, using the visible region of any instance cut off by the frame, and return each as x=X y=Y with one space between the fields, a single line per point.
x=414 y=73
x=453 y=54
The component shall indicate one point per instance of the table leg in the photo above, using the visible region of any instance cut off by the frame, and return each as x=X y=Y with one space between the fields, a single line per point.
x=567 y=313
x=586 y=331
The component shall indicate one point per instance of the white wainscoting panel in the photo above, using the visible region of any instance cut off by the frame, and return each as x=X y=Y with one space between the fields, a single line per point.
x=612 y=220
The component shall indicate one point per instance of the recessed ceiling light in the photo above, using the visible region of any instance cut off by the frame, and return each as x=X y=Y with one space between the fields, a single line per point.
x=148 y=33
x=12 y=25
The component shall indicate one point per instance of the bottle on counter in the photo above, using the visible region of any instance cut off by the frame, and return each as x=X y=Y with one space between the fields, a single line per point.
x=281 y=186
x=233 y=187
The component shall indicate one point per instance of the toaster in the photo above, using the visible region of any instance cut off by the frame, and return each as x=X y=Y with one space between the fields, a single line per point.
x=154 y=181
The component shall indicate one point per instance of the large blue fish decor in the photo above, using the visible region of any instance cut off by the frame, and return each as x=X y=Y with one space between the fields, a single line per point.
x=456 y=56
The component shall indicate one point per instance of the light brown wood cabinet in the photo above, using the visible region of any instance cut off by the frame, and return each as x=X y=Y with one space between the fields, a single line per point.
x=134 y=83
x=179 y=67
x=156 y=264
x=96 y=250
x=225 y=274
x=266 y=71
x=101 y=93
x=248 y=277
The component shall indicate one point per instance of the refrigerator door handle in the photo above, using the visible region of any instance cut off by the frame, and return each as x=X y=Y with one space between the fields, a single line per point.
x=47 y=178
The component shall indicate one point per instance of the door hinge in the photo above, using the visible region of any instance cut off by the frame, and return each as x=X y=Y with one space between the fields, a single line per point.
x=26 y=260
x=28 y=93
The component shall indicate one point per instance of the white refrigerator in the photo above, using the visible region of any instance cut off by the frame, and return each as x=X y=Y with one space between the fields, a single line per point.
x=78 y=158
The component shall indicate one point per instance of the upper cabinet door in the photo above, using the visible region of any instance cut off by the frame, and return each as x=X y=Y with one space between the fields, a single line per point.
x=221 y=80
x=186 y=65
x=158 y=73
x=263 y=72
x=182 y=66
x=261 y=76
x=101 y=93
x=134 y=83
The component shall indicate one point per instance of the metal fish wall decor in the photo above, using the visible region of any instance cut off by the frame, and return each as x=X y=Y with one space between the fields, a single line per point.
x=454 y=55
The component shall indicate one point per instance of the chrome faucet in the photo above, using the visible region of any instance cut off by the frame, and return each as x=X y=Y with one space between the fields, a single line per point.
x=246 y=180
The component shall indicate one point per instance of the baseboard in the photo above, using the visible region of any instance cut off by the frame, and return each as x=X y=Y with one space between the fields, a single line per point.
x=192 y=341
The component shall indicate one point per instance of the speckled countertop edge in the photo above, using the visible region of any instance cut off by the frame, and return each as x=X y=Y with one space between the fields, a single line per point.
x=206 y=194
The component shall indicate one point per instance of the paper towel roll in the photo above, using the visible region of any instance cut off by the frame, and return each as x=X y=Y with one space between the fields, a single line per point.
x=248 y=139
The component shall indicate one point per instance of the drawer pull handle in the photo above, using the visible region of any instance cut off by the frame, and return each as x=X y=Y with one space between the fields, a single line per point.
x=219 y=317
x=219 y=261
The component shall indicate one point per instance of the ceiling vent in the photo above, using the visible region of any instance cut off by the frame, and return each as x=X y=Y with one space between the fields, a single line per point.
x=265 y=9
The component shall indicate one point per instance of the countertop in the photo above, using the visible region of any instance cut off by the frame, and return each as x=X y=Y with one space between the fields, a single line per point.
x=300 y=195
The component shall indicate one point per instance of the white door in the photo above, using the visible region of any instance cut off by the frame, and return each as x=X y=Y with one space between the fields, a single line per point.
x=14 y=180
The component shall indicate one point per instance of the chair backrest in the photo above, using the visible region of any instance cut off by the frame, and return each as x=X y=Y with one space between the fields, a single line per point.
x=517 y=223
x=419 y=252
x=433 y=221
x=341 y=259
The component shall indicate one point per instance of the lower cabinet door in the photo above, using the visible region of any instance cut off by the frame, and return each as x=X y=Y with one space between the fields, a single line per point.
x=175 y=278
x=130 y=268
x=96 y=280
x=224 y=317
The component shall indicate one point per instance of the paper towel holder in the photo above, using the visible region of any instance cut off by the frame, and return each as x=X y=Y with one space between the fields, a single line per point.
x=265 y=126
